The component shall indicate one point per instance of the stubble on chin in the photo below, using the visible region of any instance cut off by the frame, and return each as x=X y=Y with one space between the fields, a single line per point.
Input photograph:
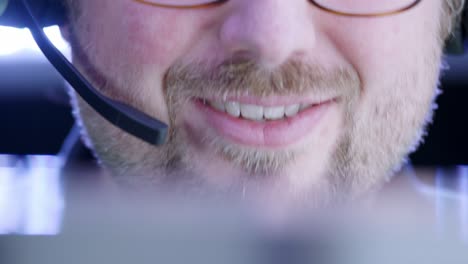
x=372 y=145
x=184 y=82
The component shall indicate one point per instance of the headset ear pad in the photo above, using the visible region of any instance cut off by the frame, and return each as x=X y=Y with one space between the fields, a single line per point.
x=50 y=12
x=47 y=12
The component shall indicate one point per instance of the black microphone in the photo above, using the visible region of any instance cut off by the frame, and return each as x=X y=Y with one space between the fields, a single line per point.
x=21 y=13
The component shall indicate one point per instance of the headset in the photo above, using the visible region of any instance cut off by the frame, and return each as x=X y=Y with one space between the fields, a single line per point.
x=36 y=14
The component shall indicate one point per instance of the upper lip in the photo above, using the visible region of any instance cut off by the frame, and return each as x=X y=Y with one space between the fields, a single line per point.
x=270 y=101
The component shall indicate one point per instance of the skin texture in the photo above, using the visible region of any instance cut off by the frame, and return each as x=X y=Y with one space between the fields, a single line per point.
x=383 y=73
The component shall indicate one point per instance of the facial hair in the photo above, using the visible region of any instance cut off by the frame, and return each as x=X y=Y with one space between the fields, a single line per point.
x=184 y=83
x=374 y=142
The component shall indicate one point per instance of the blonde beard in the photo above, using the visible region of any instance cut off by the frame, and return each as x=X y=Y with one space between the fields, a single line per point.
x=376 y=140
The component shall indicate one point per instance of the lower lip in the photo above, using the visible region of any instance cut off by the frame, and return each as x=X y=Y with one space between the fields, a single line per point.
x=272 y=134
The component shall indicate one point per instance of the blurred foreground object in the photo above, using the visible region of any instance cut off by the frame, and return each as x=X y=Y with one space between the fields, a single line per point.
x=411 y=223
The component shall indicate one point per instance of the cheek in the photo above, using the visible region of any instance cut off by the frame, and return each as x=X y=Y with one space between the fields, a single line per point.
x=133 y=47
x=125 y=31
x=376 y=46
x=154 y=38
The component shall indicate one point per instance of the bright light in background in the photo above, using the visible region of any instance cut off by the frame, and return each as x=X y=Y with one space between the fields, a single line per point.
x=31 y=199
x=16 y=40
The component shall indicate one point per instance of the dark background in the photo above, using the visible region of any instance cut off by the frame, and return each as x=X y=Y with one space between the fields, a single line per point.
x=35 y=116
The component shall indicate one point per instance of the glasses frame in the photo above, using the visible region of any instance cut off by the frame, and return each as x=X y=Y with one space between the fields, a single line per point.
x=215 y=3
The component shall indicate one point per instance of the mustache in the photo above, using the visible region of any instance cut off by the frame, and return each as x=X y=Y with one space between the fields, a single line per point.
x=247 y=77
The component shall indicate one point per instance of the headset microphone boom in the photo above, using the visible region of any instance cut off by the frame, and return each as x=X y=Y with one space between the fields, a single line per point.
x=36 y=14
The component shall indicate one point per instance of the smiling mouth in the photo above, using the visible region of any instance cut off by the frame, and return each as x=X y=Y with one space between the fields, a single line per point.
x=255 y=112
x=261 y=122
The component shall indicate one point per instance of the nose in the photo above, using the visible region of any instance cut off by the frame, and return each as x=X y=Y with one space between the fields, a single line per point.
x=268 y=31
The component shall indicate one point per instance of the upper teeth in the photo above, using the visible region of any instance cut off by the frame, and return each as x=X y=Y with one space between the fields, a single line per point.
x=257 y=112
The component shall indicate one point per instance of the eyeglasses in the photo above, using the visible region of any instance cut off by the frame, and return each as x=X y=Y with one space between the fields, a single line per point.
x=354 y=8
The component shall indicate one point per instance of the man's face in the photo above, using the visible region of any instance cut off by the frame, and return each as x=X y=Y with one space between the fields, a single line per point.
x=268 y=98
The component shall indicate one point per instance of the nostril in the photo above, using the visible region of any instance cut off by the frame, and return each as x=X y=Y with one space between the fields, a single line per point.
x=267 y=31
